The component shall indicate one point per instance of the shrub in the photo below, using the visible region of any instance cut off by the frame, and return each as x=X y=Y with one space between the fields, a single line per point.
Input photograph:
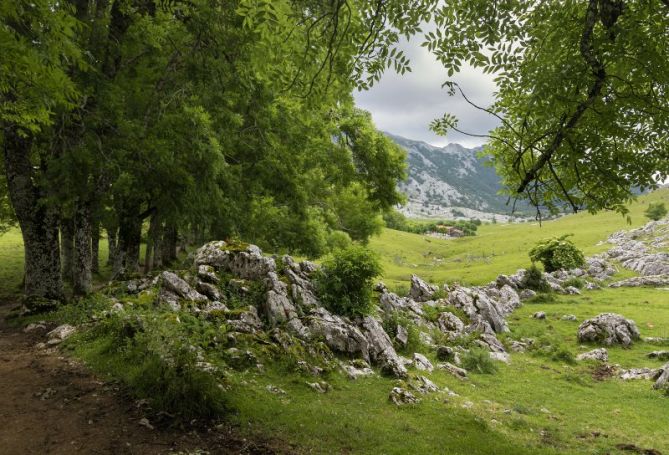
x=478 y=360
x=656 y=210
x=534 y=279
x=575 y=282
x=345 y=281
x=557 y=253
x=338 y=240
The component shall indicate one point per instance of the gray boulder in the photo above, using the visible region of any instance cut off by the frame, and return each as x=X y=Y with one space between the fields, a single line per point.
x=450 y=324
x=337 y=333
x=478 y=307
x=173 y=283
x=608 y=328
x=651 y=280
x=600 y=355
x=380 y=348
x=420 y=290
x=400 y=396
x=420 y=362
x=662 y=377
x=245 y=321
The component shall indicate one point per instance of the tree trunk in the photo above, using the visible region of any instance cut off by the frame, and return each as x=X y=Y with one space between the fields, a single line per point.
x=112 y=242
x=126 y=259
x=169 y=250
x=82 y=281
x=95 y=246
x=39 y=222
x=67 y=248
x=150 y=244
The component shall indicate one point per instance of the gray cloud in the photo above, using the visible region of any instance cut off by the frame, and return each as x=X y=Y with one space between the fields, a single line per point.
x=405 y=105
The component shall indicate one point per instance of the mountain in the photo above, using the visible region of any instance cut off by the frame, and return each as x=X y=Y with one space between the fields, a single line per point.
x=452 y=182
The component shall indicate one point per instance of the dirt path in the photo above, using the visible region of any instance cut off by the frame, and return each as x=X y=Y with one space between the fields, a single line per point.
x=50 y=404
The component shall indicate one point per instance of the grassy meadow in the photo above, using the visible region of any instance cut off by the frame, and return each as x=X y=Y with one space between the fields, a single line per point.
x=497 y=248
x=541 y=403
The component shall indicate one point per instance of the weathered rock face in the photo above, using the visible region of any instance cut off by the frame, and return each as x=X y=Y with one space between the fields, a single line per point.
x=600 y=355
x=662 y=377
x=652 y=280
x=400 y=396
x=60 y=333
x=451 y=325
x=245 y=321
x=420 y=290
x=172 y=283
x=608 y=328
x=422 y=363
x=478 y=307
x=247 y=263
x=381 y=348
x=338 y=334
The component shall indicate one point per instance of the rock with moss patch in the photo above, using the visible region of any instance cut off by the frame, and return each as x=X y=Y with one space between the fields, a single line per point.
x=451 y=325
x=420 y=290
x=400 y=396
x=173 y=283
x=60 y=334
x=380 y=347
x=608 y=328
x=420 y=362
x=599 y=355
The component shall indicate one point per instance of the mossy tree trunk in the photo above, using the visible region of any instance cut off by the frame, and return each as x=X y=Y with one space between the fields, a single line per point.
x=38 y=221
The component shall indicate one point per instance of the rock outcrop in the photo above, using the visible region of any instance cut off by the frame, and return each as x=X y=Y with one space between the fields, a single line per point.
x=609 y=329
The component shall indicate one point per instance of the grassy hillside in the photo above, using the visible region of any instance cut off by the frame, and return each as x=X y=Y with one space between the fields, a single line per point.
x=497 y=248
x=541 y=403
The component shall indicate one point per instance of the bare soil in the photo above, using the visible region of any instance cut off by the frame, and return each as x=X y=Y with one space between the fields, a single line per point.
x=51 y=404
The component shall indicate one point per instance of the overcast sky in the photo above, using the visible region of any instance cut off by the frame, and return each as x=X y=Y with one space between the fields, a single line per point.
x=405 y=105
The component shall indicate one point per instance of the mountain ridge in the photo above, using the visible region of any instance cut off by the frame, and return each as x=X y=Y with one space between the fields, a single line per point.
x=452 y=181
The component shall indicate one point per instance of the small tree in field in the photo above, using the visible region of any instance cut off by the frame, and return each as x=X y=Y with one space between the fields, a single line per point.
x=557 y=253
x=345 y=281
x=656 y=211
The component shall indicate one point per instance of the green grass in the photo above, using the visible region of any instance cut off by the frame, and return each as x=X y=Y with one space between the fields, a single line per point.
x=541 y=403
x=497 y=248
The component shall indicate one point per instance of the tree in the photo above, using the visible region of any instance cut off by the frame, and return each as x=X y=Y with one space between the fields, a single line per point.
x=557 y=253
x=203 y=118
x=581 y=100
x=656 y=211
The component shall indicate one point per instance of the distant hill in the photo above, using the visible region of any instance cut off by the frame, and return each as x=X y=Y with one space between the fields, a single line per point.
x=452 y=182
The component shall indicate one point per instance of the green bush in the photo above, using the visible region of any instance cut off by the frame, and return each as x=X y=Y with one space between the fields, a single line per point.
x=557 y=253
x=575 y=282
x=338 y=240
x=534 y=279
x=656 y=211
x=345 y=281
x=478 y=360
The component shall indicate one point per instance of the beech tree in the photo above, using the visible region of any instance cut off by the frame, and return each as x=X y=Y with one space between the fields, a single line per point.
x=203 y=118
x=582 y=94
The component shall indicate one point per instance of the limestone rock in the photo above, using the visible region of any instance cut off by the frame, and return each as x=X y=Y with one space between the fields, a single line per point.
x=400 y=396
x=539 y=315
x=422 y=363
x=450 y=324
x=245 y=321
x=380 y=348
x=608 y=328
x=173 y=283
x=338 y=334
x=247 y=263
x=652 y=280
x=569 y=317
x=659 y=355
x=60 y=334
x=527 y=294
x=662 y=378
x=478 y=307
x=424 y=386
x=209 y=290
x=420 y=290
x=600 y=355
x=402 y=336
x=638 y=373
x=458 y=372
x=207 y=274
